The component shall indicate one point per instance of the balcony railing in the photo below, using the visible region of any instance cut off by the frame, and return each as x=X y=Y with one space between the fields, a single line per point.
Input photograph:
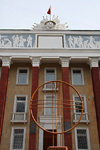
x=84 y=117
x=19 y=117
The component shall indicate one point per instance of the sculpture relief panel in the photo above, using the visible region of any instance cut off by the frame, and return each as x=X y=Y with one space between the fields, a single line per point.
x=83 y=41
x=17 y=40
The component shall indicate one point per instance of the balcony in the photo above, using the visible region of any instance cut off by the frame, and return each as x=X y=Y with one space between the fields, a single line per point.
x=19 y=117
x=84 y=118
x=50 y=87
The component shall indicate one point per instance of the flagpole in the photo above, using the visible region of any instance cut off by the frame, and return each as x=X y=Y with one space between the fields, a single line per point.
x=50 y=13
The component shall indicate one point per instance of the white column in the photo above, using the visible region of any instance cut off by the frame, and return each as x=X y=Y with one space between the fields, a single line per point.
x=6 y=61
x=40 y=139
x=58 y=138
x=94 y=62
x=65 y=61
x=35 y=61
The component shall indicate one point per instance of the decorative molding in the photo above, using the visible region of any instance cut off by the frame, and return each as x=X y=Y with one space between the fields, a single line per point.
x=35 y=61
x=47 y=24
x=65 y=61
x=6 y=61
x=94 y=62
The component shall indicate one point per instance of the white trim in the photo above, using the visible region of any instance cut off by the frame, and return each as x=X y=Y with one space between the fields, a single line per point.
x=85 y=114
x=11 y=139
x=22 y=68
x=88 y=138
x=81 y=69
x=19 y=113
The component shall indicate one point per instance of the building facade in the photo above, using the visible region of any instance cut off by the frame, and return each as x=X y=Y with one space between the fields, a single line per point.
x=28 y=58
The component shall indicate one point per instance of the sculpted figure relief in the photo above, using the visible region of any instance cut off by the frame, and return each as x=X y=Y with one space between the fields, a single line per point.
x=83 y=42
x=29 y=41
x=16 y=41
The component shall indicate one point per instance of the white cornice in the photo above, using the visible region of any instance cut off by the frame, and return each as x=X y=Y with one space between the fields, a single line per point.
x=72 y=32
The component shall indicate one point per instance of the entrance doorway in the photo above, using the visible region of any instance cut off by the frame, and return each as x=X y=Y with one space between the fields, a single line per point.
x=48 y=140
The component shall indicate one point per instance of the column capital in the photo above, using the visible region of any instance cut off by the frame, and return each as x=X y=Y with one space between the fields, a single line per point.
x=35 y=61
x=94 y=62
x=65 y=61
x=6 y=61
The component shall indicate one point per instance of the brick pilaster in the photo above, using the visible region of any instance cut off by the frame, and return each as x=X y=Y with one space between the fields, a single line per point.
x=66 y=96
x=35 y=79
x=96 y=88
x=66 y=115
x=3 y=92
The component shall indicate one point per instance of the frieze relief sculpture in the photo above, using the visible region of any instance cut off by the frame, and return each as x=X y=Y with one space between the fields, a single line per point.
x=17 y=41
x=83 y=42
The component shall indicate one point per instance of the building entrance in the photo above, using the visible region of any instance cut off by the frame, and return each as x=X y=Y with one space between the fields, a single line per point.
x=48 y=140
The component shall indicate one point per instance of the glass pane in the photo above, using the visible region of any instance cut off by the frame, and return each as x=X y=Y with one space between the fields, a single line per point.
x=23 y=71
x=77 y=77
x=78 y=105
x=82 y=139
x=22 y=77
x=50 y=76
x=20 y=107
x=18 y=139
x=21 y=98
x=17 y=131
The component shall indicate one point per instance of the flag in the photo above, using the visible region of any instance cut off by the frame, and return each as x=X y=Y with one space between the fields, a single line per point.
x=49 y=11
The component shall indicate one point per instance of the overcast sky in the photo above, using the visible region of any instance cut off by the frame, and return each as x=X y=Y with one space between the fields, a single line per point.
x=22 y=14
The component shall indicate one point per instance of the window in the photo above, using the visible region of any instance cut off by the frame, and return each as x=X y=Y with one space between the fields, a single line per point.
x=77 y=76
x=17 y=139
x=19 y=114
x=82 y=139
x=22 y=75
x=78 y=109
x=50 y=75
x=49 y=105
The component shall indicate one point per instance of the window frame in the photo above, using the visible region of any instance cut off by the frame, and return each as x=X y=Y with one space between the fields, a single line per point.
x=81 y=69
x=85 y=110
x=88 y=137
x=15 y=102
x=55 y=71
x=27 y=80
x=14 y=109
x=12 y=138
x=84 y=102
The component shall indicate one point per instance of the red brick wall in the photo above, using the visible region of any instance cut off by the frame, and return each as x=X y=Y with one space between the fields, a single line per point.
x=32 y=136
x=96 y=88
x=66 y=115
x=3 y=92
